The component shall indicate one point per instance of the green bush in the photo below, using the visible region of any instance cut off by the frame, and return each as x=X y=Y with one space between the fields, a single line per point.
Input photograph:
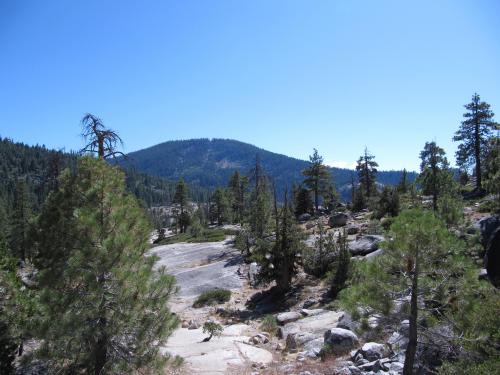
x=212 y=297
x=269 y=324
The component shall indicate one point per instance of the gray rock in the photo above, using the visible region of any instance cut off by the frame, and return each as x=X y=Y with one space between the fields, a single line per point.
x=314 y=312
x=338 y=220
x=372 y=351
x=313 y=348
x=304 y=217
x=487 y=225
x=309 y=303
x=312 y=324
x=396 y=367
x=288 y=317
x=397 y=342
x=404 y=328
x=492 y=258
x=371 y=366
x=302 y=338
x=340 y=340
x=193 y=324
x=346 y=322
x=352 y=229
x=253 y=272
x=291 y=344
x=376 y=253
x=365 y=245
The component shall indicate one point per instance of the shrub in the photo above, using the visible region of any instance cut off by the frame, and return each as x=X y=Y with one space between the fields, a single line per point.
x=269 y=324
x=212 y=297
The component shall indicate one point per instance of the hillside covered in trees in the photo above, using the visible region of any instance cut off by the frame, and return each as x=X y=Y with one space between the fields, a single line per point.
x=210 y=163
x=35 y=169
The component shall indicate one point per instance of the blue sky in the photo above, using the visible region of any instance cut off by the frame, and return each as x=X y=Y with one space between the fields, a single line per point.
x=283 y=75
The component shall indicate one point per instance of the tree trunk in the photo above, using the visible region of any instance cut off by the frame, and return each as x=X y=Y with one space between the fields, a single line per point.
x=411 y=350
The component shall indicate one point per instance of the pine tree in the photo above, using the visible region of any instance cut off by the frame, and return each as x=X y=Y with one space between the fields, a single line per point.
x=492 y=169
x=260 y=209
x=474 y=133
x=367 y=172
x=221 y=206
x=19 y=222
x=279 y=261
x=106 y=310
x=238 y=186
x=7 y=342
x=303 y=202
x=434 y=175
x=181 y=198
x=421 y=262
x=341 y=266
x=403 y=182
x=318 y=178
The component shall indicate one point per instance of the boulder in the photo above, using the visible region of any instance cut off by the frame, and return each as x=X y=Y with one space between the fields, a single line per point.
x=338 y=220
x=288 y=317
x=352 y=229
x=304 y=217
x=253 y=272
x=314 y=325
x=492 y=258
x=487 y=225
x=346 y=322
x=365 y=245
x=340 y=340
x=372 y=351
x=309 y=303
x=313 y=347
x=397 y=342
x=291 y=344
x=314 y=312
x=376 y=253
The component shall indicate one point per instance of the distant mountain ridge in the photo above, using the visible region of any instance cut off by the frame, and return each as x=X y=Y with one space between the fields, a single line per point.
x=209 y=163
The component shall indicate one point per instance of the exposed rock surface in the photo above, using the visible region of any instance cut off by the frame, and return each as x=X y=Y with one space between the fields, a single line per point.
x=216 y=356
x=365 y=245
x=201 y=266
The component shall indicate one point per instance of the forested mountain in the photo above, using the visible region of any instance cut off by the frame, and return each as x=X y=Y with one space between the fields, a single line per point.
x=210 y=163
x=37 y=168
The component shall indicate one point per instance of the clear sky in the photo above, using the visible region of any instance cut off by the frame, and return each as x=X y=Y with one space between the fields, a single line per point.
x=286 y=76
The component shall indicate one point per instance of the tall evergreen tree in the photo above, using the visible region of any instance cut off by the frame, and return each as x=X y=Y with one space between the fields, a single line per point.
x=279 y=262
x=422 y=262
x=19 y=222
x=474 y=133
x=260 y=208
x=403 y=182
x=221 y=206
x=238 y=186
x=318 y=178
x=106 y=310
x=367 y=173
x=303 y=202
x=181 y=198
x=434 y=171
x=492 y=169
